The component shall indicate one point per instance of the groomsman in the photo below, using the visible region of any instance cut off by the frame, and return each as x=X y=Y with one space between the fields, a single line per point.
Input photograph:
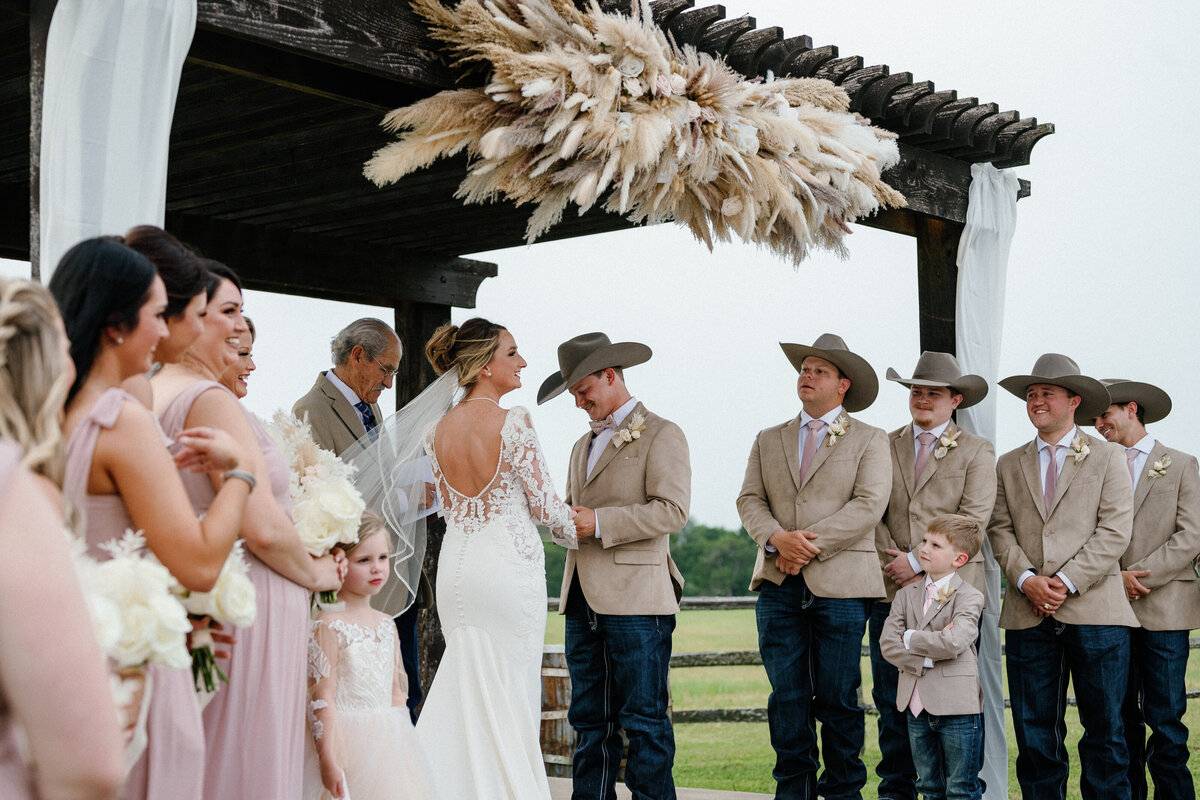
x=1064 y=509
x=815 y=488
x=1159 y=581
x=630 y=481
x=937 y=468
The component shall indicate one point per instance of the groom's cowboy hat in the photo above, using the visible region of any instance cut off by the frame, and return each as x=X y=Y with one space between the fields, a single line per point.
x=1154 y=402
x=583 y=355
x=1059 y=370
x=864 y=384
x=942 y=369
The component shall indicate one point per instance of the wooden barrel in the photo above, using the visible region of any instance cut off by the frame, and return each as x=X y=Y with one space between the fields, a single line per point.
x=558 y=737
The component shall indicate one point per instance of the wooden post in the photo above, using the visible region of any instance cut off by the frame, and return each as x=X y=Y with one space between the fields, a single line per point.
x=40 y=13
x=937 y=281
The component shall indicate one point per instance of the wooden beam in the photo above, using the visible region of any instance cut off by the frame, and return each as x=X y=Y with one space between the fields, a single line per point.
x=278 y=260
x=937 y=281
x=934 y=185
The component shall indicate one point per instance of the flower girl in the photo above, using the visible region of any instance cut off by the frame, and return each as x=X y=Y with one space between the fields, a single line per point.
x=363 y=743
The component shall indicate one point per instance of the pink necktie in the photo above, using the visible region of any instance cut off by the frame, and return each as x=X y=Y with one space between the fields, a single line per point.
x=927 y=439
x=914 y=704
x=1131 y=454
x=810 y=446
x=1051 y=476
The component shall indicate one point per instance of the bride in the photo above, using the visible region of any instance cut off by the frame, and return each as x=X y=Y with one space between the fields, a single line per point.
x=480 y=723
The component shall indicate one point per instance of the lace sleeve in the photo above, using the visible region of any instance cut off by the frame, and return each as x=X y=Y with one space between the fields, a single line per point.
x=525 y=453
x=323 y=656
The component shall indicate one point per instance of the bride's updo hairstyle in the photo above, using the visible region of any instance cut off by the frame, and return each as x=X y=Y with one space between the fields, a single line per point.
x=469 y=347
x=33 y=377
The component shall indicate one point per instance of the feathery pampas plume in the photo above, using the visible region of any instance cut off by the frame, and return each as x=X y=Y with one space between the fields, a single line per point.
x=587 y=107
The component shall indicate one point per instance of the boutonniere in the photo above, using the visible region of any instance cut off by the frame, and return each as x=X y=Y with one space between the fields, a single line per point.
x=943 y=595
x=837 y=429
x=1160 y=467
x=633 y=430
x=1080 y=448
x=948 y=442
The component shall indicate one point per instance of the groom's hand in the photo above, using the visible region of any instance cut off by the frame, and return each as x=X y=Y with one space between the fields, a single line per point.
x=585 y=521
x=795 y=545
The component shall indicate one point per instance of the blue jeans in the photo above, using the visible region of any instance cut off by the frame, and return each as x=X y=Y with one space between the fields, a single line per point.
x=947 y=752
x=406 y=629
x=1096 y=659
x=1157 y=698
x=811 y=648
x=897 y=776
x=618 y=667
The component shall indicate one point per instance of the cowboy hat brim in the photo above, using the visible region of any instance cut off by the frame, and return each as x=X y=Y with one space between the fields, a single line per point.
x=618 y=354
x=864 y=383
x=973 y=388
x=1093 y=396
x=1154 y=402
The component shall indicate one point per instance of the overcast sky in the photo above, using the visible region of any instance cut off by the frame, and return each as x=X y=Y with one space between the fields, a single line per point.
x=1103 y=265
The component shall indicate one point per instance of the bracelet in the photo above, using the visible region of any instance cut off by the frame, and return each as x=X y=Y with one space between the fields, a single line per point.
x=241 y=475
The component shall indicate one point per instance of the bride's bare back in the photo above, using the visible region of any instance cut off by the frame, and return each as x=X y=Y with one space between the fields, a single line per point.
x=467 y=444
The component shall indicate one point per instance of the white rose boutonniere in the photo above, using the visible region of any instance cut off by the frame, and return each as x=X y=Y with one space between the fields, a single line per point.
x=632 y=431
x=947 y=442
x=1080 y=448
x=1160 y=467
x=837 y=429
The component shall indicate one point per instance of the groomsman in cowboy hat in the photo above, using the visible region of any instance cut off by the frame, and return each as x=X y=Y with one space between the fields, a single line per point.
x=815 y=488
x=1159 y=580
x=937 y=468
x=1063 y=515
x=629 y=479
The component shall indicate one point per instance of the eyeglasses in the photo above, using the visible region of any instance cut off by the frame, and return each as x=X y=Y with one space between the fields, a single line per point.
x=388 y=372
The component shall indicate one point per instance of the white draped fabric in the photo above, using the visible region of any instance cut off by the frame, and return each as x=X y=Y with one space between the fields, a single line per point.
x=979 y=323
x=112 y=75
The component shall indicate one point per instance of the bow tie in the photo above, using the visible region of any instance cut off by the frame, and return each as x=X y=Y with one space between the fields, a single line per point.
x=599 y=426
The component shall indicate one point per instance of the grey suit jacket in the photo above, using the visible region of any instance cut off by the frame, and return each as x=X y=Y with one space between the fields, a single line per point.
x=641 y=492
x=842 y=498
x=1166 y=537
x=961 y=482
x=951 y=685
x=1084 y=535
x=335 y=423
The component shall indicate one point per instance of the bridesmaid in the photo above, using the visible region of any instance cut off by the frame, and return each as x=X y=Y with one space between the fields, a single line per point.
x=235 y=375
x=254 y=726
x=120 y=474
x=53 y=678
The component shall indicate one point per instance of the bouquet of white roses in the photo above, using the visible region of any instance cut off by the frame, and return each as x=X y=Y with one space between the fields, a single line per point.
x=326 y=508
x=231 y=601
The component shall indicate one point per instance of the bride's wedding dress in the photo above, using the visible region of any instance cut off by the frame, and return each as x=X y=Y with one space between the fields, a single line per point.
x=480 y=723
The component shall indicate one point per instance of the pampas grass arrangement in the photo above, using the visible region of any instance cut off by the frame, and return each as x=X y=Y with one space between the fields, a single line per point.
x=585 y=107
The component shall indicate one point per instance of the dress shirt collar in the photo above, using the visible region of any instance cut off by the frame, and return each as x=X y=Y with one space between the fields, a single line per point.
x=346 y=391
x=1145 y=444
x=937 y=432
x=624 y=411
x=941 y=583
x=1065 y=441
x=828 y=418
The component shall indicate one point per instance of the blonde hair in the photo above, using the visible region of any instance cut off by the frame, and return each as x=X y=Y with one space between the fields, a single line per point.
x=370 y=524
x=33 y=377
x=469 y=347
x=963 y=534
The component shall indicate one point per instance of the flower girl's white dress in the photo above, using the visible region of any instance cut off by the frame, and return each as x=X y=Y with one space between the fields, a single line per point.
x=375 y=738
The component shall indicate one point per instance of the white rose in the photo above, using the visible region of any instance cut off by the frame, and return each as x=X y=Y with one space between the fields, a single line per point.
x=743 y=137
x=693 y=110
x=235 y=600
x=634 y=87
x=624 y=126
x=630 y=65
x=106 y=621
x=636 y=434
x=678 y=83
x=731 y=206
x=138 y=628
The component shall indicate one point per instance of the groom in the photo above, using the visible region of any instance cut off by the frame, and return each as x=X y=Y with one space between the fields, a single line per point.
x=630 y=482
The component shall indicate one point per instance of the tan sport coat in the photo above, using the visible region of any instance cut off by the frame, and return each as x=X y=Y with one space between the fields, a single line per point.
x=1166 y=537
x=641 y=492
x=961 y=482
x=951 y=685
x=335 y=423
x=1083 y=537
x=841 y=500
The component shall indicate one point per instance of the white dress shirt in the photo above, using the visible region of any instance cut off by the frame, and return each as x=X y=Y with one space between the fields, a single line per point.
x=937 y=434
x=938 y=585
x=1064 y=449
x=828 y=418
x=346 y=391
x=1144 y=447
x=602 y=439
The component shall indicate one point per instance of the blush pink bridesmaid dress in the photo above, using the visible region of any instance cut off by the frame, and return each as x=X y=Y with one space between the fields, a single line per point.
x=14 y=777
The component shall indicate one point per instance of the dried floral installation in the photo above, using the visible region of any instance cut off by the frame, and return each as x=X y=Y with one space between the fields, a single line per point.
x=584 y=106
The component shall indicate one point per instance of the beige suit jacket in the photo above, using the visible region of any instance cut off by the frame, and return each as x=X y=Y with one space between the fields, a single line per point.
x=641 y=492
x=1084 y=535
x=841 y=500
x=961 y=482
x=951 y=685
x=1166 y=537
x=335 y=423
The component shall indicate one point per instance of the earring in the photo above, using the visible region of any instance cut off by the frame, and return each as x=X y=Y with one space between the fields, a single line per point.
x=120 y=340
x=487 y=373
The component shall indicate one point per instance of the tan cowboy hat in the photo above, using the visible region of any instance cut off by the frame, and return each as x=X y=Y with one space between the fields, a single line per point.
x=864 y=384
x=1154 y=402
x=1059 y=370
x=942 y=369
x=583 y=355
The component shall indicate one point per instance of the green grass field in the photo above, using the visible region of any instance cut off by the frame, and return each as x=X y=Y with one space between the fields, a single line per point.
x=738 y=756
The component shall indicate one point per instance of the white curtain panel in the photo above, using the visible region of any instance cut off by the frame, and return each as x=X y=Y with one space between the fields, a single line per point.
x=112 y=75
x=979 y=322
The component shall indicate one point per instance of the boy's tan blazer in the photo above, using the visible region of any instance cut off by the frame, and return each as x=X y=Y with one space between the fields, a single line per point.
x=841 y=500
x=1166 y=537
x=1084 y=536
x=961 y=482
x=641 y=493
x=335 y=423
x=951 y=685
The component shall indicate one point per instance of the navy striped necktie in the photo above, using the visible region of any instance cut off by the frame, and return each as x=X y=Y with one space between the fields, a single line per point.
x=367 y=417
